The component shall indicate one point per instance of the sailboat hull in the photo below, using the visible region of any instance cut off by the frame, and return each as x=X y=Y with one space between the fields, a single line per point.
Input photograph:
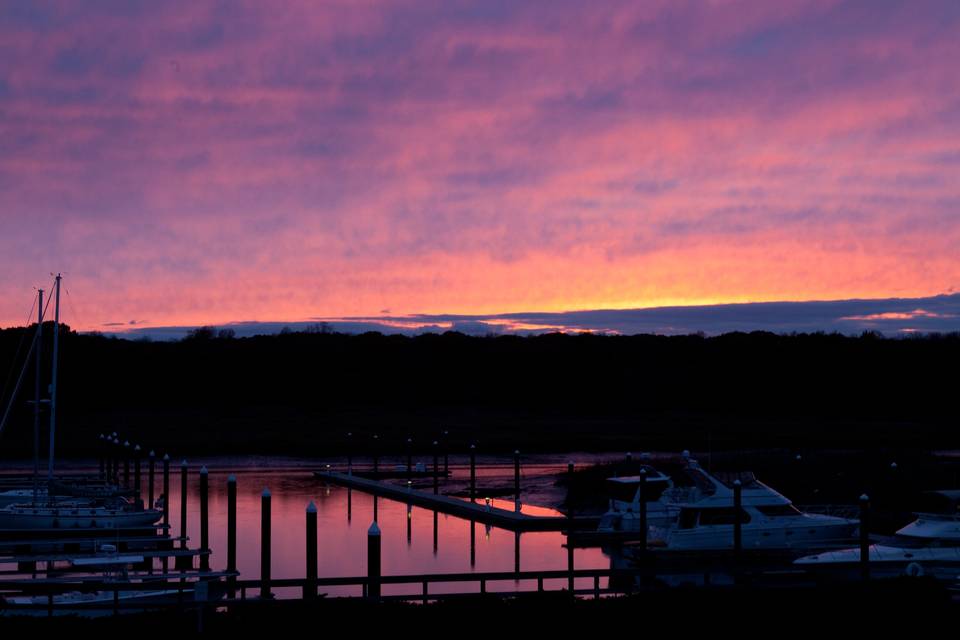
x=80 y=518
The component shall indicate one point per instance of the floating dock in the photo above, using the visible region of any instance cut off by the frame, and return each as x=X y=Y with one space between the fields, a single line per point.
x=501 y=518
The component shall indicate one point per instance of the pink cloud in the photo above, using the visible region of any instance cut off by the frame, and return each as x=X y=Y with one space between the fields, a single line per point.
x=187 y=165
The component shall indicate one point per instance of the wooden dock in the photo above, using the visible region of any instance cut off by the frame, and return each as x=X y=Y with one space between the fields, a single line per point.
x=501 y=518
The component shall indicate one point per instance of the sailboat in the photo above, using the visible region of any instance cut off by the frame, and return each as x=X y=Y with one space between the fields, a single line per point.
x=47 y=511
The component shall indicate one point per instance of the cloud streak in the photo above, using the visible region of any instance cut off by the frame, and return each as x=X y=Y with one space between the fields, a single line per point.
x=894 y=316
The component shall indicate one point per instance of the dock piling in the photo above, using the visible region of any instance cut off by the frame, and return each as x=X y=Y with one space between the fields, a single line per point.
x=446 y=454
x=376 y=455
x=310 y=589
x=436 y=469
x=516 y=479
x=265 y=541
x=151 y=470
x=349 y=453
x=865 y=537
x=737 y=519
x=473 y=473
x=373 y=562
x=183 y=562
x=204 y=520
x=643 y=511
x=570 y=585
x=183 y=504
x=136 y=471
x=166 y=489
x=103 y=457
x=232 y=525
x=126 y=464
x=409 y=459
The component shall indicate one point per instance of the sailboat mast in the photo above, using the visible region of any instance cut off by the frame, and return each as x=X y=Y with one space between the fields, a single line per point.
x=36 y=400
x=53 y=383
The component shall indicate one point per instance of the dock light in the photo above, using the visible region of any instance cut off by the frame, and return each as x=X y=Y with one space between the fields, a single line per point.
x=799 y=457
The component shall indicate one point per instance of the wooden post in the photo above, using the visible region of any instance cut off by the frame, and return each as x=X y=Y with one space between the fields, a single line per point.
x=436 y=469
x=570 y=585
x=136 y=471
x=265 y=541
x=373 y=562
x=473 y=543
x=409 y=522
x=516 y=480
x=865 y=537
x=166 y=489
x=516 y=552
x=446 y=454
x=473 y=473
x=350 y=453
x=183 y=504
x=409 y=459
x=376 y=456
x=116 y=461
x=232 y=525
x=126 y=464
x=151 y=470
x=204 y=519
x=310 y=589
x=103 y=457
x=737 y=520
x=643 y=510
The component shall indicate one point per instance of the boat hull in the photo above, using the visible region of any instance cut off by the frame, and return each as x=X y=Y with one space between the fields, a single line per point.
x=803 y=532
x=79 y=518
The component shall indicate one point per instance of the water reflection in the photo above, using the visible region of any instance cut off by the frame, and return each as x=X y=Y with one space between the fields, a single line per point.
x=414 y=540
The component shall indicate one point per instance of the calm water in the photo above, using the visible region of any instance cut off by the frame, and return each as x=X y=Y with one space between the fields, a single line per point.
x=414 y=540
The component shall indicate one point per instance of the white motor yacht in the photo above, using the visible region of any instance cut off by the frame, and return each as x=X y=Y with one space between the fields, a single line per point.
x=694 y=511
x=930 y=545
x=626 y=492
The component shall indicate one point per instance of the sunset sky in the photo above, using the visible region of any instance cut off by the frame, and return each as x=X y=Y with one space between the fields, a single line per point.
x=187 y=163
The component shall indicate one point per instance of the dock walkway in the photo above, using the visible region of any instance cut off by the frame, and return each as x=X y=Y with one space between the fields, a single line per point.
x=494 y=516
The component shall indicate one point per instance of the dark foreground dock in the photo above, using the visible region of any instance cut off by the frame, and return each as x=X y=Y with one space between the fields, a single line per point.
x=494 y=516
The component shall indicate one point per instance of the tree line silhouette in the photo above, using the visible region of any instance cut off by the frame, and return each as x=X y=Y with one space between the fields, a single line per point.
x=301 y=392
